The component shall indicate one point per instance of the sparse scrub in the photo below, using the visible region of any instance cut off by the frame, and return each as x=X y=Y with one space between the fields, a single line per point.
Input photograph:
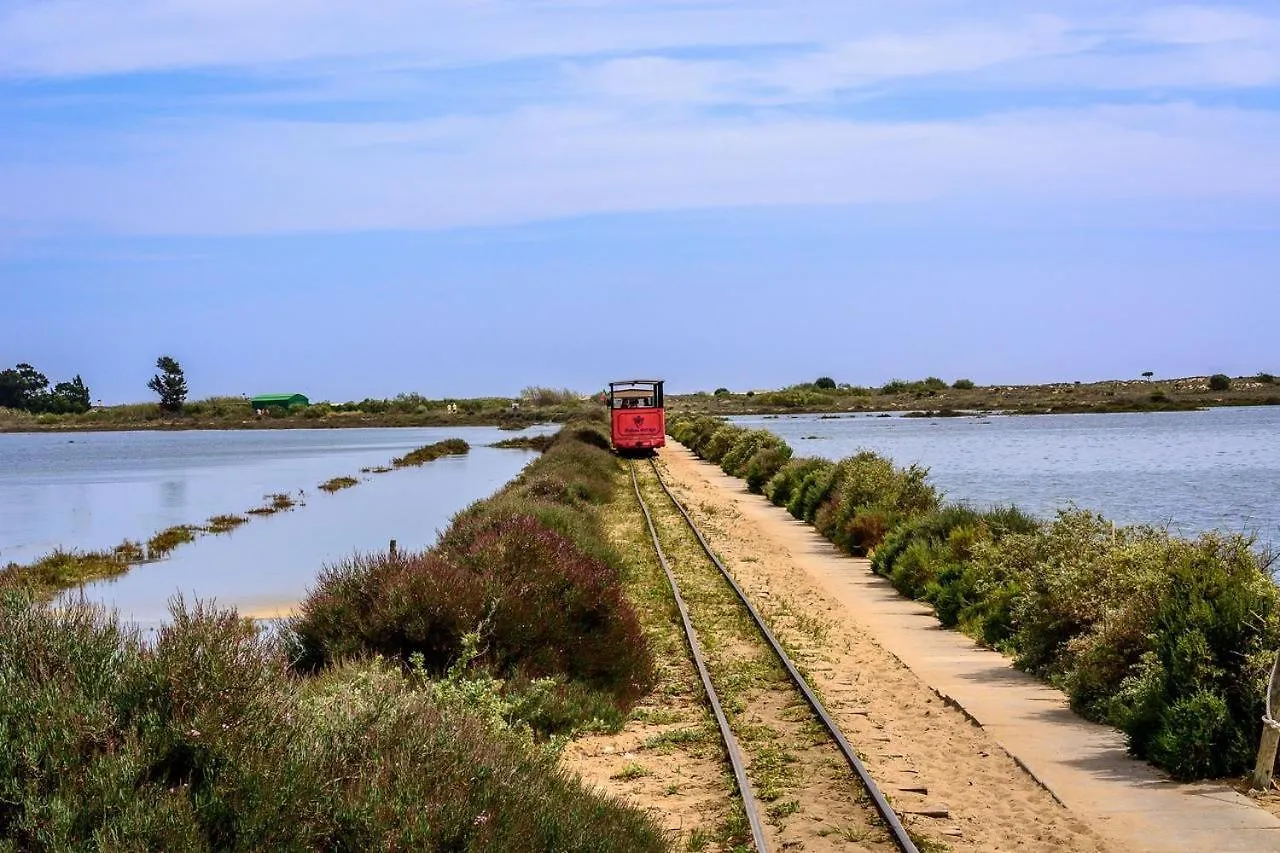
x=129 y=551
x=62 y=568
x=1219 y=382
x=160 y=545
x=224 y=523
x=963 y=385
x=278 y=502
x=537 y=395
x=526 y=442
x=338 y=484
x=431 y=452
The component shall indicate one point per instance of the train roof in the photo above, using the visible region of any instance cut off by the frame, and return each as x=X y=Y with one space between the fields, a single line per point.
x=637 y=382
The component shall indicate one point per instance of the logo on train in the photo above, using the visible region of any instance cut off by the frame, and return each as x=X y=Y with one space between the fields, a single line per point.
x=638 y=420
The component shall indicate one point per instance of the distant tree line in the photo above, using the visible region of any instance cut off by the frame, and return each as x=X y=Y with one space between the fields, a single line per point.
x=24 y=388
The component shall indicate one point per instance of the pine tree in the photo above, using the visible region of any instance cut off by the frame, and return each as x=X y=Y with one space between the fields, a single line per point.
x=170 y=384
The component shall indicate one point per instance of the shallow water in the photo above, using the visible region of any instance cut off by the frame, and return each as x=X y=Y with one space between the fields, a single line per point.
x=1195 y=471
x=94 y=490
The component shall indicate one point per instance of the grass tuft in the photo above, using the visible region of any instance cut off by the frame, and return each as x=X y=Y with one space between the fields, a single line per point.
x=224 y=523
x=160 y=545
x=338 y=483
x=431 y=452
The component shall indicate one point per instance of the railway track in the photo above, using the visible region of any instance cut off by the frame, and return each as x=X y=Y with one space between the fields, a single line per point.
x=701 y=573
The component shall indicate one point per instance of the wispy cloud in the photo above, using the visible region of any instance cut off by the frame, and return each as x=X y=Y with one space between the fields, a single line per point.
x=314 y=115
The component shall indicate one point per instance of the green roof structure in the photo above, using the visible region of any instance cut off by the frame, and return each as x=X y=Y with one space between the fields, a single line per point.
x=282 y=401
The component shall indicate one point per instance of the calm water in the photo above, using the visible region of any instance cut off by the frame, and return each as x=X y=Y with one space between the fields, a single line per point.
x=1217 y=469
x=94 y=490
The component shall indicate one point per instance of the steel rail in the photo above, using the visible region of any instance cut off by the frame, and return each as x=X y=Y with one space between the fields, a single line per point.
x=896 y=829
x=730 y=741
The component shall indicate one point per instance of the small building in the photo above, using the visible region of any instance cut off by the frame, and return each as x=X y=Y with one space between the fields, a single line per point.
x=278 y=401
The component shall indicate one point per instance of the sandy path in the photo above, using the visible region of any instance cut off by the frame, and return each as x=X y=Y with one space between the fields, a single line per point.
x=929 y=758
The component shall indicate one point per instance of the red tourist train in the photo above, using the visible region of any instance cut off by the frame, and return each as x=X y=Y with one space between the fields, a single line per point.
x=636 y=416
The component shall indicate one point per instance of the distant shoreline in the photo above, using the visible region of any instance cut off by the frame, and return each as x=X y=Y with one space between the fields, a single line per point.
x=939 y=399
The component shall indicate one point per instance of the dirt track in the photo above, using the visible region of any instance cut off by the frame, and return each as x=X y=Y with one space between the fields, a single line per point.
x=927 y=756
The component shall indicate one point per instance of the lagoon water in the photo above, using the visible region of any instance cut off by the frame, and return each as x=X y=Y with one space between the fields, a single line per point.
x=93 y=490
x=1195 y=471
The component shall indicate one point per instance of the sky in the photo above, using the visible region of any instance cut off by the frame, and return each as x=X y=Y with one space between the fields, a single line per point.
x=467 y=197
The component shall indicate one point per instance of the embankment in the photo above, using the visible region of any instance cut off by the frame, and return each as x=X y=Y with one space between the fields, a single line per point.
x=1168 y=639
x=416 y=702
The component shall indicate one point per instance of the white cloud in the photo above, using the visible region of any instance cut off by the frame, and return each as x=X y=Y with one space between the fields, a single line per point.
x=543 y=163
x=622 y=111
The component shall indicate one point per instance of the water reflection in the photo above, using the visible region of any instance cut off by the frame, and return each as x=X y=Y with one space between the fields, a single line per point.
x=173 y=494
x=130 y=485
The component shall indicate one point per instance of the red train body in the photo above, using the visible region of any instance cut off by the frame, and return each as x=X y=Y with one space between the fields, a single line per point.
x=637 y=418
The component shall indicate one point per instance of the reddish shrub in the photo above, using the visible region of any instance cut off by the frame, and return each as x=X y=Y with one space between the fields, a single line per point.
x=543 y=606
x=389 y=605
x=867 y=529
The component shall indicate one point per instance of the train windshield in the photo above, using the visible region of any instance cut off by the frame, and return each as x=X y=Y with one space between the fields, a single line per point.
x=636 y=394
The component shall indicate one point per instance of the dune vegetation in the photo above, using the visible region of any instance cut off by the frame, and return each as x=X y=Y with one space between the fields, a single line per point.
x=417 y=701
x=1168 y=639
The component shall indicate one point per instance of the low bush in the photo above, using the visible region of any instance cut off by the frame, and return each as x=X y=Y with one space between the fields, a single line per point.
x=868 y=495
x=160 y=545
x=1219 y=382
x=224 y=523
x=526 y=442
x=61 y=569
x=1166 y=638
x=786 y=482
x=764 y=464
x=963 y=385
x=529 y=569
x=205 y=741
x=431 y=452
x=931 y=558
x=337 y=484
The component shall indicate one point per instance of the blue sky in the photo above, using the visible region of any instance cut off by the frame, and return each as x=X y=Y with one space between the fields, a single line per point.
x=470 y=197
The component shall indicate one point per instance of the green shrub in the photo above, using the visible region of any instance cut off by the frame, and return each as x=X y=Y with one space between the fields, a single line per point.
x=720 y=442
x=748 y=444
x=963 y=385
x=868 y=496
x=1219 y=382
x=825 y=383
x=204 y=741
x=812 y=490
x=786 y=482
x=764 y=464
x=895 y=386
x=1265 y=378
